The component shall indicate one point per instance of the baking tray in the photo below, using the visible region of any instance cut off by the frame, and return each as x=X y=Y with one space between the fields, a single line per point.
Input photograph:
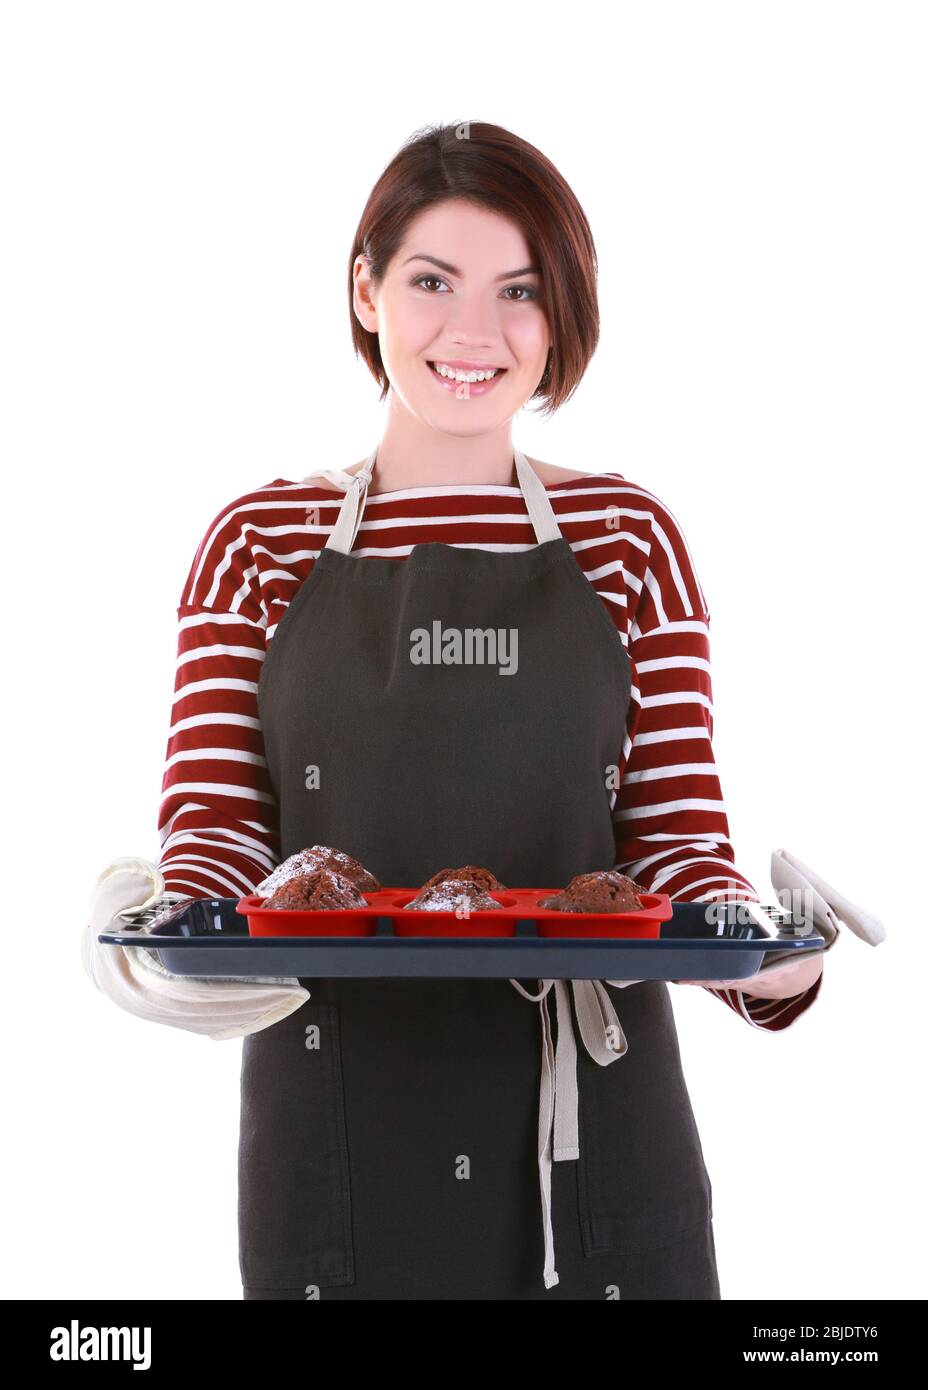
x=208 y=938
x=513 y=904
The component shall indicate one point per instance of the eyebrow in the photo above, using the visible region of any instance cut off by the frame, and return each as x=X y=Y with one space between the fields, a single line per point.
x=453 y=269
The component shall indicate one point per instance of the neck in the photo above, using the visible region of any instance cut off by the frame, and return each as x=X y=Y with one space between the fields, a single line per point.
x=412 y=455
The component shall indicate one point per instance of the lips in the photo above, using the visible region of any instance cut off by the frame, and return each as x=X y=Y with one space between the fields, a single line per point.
x=466 y=390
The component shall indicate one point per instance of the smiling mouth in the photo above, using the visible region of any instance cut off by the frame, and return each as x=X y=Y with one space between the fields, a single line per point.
x=461 y=376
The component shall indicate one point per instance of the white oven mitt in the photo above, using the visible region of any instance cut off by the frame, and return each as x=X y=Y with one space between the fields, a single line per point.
x=799 y=888
x=135 y=979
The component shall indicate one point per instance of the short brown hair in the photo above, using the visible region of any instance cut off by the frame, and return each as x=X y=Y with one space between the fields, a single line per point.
x=489 y=166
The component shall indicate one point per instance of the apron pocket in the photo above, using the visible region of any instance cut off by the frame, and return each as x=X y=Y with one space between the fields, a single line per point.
x=294 y=1193
x=642 y=1180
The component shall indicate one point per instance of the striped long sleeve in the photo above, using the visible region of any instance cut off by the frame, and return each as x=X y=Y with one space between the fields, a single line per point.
x=217 y=821
x=672 y=831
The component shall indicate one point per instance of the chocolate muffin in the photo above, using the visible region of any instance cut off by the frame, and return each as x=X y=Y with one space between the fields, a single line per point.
x=486 y=881
x=324 y=890
x=604 y=891
x=307 y=861
x=450 y=895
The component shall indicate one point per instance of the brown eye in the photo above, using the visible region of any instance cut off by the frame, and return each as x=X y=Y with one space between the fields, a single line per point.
x=424 y=279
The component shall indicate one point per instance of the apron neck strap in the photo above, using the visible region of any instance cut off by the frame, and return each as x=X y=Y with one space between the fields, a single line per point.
x=345 y=530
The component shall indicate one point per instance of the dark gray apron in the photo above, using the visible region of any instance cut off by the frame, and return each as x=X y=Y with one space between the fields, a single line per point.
x=395 y=1133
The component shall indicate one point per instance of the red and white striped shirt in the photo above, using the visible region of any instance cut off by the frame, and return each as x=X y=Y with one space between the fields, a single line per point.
x=218 y=822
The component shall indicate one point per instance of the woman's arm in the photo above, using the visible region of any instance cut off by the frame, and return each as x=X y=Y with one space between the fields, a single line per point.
x=672 y=832
x=218 y=817
x=217 y=821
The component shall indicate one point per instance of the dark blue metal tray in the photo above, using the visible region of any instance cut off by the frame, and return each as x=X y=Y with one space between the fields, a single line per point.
x=209 y=938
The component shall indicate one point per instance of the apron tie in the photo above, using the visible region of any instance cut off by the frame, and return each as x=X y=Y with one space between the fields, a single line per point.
x=344 y=532
x=558 y=1122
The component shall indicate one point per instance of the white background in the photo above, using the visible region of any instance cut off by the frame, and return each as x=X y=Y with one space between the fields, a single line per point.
x=181 y=184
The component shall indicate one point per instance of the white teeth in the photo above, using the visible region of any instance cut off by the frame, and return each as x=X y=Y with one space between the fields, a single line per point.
x=457 y=374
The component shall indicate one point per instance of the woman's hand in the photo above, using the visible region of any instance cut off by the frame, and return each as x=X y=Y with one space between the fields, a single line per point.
x=779 y=982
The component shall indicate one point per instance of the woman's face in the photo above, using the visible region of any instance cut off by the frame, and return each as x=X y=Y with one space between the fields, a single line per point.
x=459 y=292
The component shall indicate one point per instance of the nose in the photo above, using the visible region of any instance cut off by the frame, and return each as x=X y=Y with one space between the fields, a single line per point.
x=472 y=325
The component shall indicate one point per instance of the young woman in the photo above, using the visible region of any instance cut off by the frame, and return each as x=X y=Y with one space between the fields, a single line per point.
x=406 y=1139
